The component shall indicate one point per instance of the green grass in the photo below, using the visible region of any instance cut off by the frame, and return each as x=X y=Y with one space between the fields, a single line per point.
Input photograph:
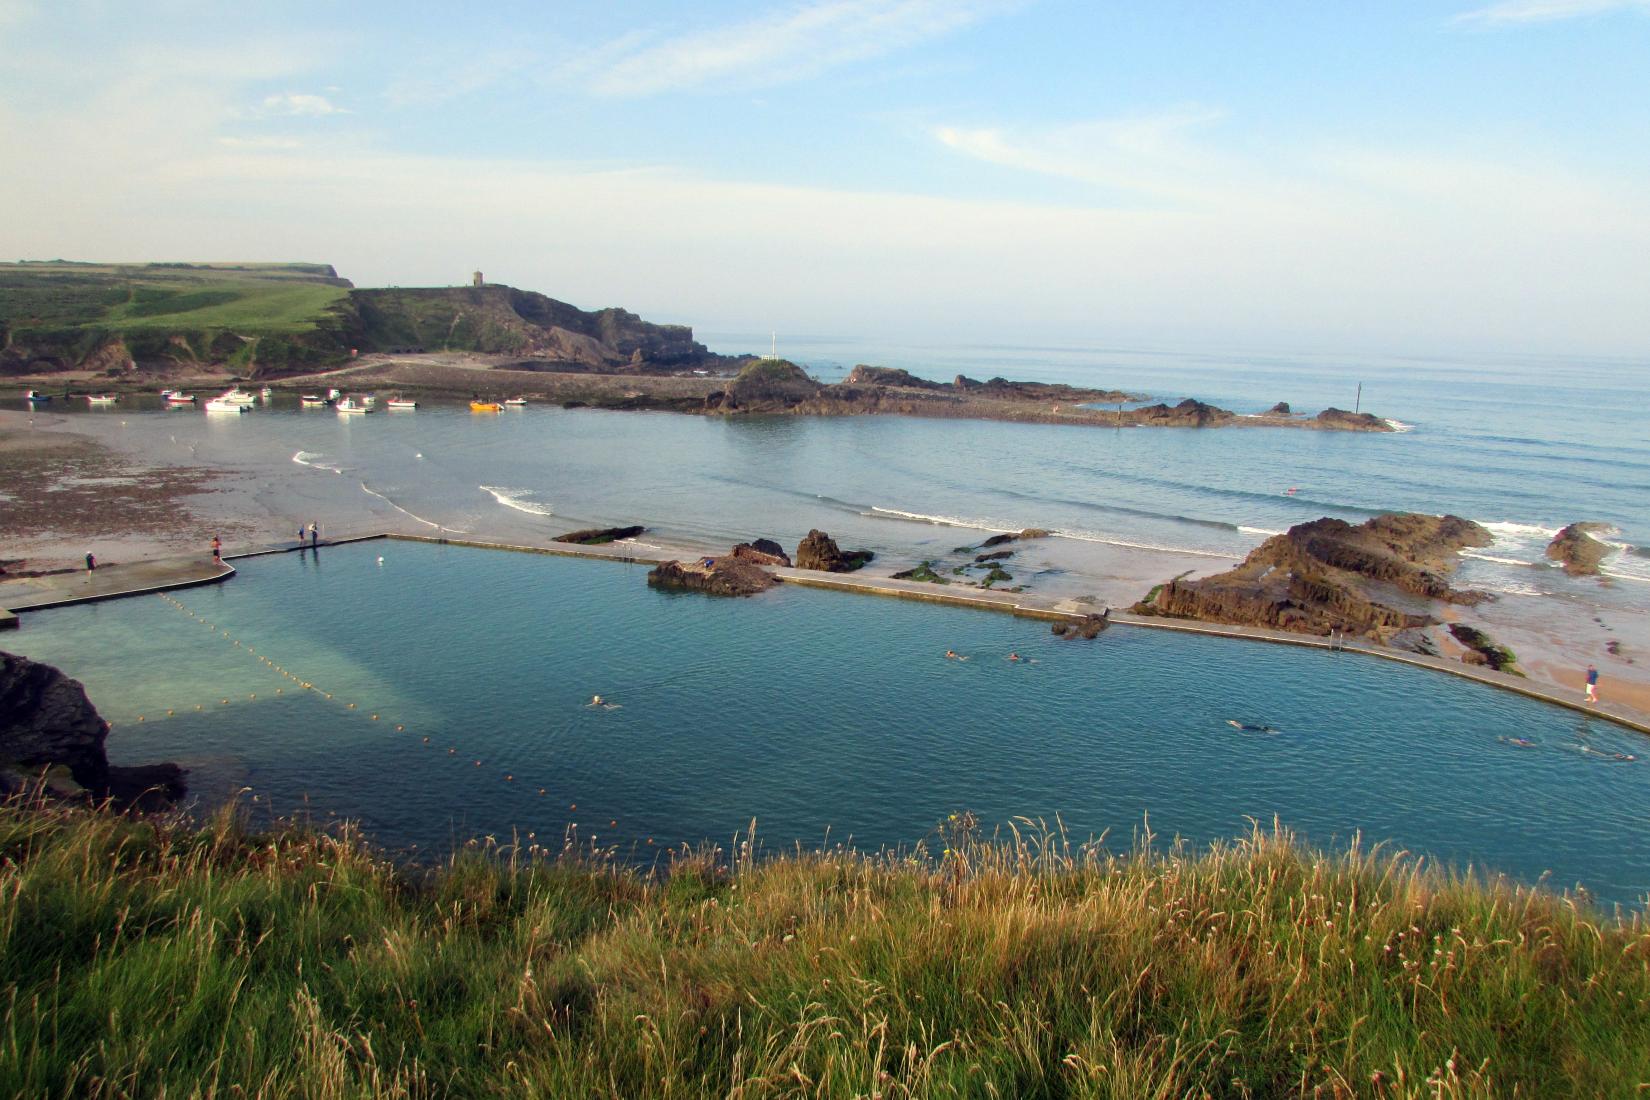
x=150 y=959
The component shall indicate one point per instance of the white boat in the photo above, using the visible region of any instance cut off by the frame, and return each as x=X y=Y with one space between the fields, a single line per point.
x=177 y=397
x=35 y=397
x=515 y=402
x=224 y=405
x=96 y=399
x=266 y=393
x=401 y=403
x=349 y=406
x=369 y=401
x=238 y=396
x=311 y=401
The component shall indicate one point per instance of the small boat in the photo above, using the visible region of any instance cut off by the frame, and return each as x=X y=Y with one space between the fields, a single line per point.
x=485 y=407
x=350 y=406
x=224 y=405
x=401 y=403
x=238 y=396
x=266 y=393
x=178 y=397
x=516 y=402
x=96 y=399
x=35 y=397
x=369 y=401
x=311 y=401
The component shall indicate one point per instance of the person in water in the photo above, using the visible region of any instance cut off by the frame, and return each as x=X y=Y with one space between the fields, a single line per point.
x=595 y=701
x=1235 y=724
x=1015 y=657
x=1592 y=684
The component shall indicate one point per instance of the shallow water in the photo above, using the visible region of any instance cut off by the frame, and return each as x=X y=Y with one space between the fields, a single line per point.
x=816 y=713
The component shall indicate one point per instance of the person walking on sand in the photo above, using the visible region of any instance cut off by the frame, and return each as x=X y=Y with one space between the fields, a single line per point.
x=1592 y=684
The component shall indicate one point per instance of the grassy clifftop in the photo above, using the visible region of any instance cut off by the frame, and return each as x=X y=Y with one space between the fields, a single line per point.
x=272 y=319
x=142 y=958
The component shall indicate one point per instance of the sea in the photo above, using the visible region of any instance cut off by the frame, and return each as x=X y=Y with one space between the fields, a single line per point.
x=831 y=719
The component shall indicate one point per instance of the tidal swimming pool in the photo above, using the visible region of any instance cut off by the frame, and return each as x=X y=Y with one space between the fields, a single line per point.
x=819 y=714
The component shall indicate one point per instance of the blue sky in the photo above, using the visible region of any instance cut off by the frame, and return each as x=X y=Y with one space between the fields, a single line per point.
x=1399 y=177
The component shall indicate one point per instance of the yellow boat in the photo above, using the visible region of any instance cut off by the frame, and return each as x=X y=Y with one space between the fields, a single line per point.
x=485 y=407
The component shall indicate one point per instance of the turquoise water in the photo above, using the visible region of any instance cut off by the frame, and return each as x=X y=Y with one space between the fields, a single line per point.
x=819 y=714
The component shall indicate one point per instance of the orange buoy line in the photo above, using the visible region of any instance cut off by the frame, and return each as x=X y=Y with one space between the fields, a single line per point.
x=305 y=685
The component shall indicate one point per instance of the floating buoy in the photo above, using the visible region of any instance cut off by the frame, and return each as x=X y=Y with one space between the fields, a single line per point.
x=168 y=714
x=350 y=706
x=226 y=701
x=426 y=740
x=375 y=718
x=398 y=729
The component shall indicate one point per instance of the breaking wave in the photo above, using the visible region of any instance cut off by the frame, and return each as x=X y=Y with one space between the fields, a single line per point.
x=1064 y=533
x=517 y=499
x=318 y=461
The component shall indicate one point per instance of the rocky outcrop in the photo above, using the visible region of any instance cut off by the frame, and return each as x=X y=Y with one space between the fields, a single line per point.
x=48 y=727
x=1280 y=409
x=1003 y=389
x=1341 y=420
x=1014 y=536
x=819 y=551
x=1089 y=626
x=713 y=576
x=1190 y=413
x=1327 y=575
x=1482 y=649
x=762 y=552
x=1577 y=550
x=864 y=375
x=768 y=385
x=595 y=536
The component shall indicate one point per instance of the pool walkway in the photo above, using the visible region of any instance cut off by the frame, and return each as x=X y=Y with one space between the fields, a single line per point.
x=163 y=574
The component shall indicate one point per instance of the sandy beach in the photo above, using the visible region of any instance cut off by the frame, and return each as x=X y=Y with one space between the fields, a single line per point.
x=75 y=484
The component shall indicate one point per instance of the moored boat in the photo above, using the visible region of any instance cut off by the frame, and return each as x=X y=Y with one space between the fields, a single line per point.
x=101 y=399
x=401 y=403
x=485 y=407
x=313 y=401
x=516 y=402
x=35 y=397
x=177 y=397
x=225 y=405
x=350 y=406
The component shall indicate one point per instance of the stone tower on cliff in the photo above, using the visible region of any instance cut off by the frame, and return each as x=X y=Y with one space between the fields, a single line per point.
x=476 y=279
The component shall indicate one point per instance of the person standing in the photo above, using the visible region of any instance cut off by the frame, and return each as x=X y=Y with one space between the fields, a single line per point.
x=217 y=549
x=314 y=536
x=91 y=561
x=1592 y=684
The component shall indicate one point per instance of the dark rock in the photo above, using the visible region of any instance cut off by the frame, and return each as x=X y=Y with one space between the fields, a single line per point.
x=597 y=535
x=48 y=726
x=762 y=552
x=1328 y=575
x=998 y=555
x=715 y=577
x=1005 y=390
x=865 y=375
x=998 y=540
x=1482 y=650
x=819 y=551
x=1350 y=421
x=1190 y=413
x=923 y=572
x=768 y=385
x=1280 y=409
x=1088 y=626
x=1578 y=551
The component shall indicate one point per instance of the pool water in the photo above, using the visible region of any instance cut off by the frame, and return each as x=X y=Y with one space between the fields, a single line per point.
x=826 y=717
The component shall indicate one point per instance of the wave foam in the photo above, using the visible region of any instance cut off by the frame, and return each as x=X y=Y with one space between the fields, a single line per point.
x=314 y=459
x=1057 y=532
x=1397 y=425
x=517 y=499
x=1257 y=531
x=370 y=491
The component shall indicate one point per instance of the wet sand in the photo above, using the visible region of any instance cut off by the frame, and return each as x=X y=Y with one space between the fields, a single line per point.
x=73 y=484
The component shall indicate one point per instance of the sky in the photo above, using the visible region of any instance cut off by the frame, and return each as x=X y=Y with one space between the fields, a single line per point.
x=1468 y=177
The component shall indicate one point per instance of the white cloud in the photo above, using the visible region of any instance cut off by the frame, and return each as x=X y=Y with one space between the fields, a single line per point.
x=300 y=105
x=256 y=143
x=1516 y=12
x=793 y=45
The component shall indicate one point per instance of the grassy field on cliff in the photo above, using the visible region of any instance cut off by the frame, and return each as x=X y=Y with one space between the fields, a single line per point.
x=148 y=959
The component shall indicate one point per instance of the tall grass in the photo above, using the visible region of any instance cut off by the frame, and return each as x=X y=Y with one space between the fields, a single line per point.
x=145 y=958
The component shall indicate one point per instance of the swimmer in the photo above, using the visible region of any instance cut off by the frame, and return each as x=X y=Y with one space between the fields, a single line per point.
x=1521 y=742
x=595 y=701
x=1015 y=657
x=1235 y=724
x=1588 y=750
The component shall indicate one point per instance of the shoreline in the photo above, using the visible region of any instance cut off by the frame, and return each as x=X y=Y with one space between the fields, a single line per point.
x=182 y=506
